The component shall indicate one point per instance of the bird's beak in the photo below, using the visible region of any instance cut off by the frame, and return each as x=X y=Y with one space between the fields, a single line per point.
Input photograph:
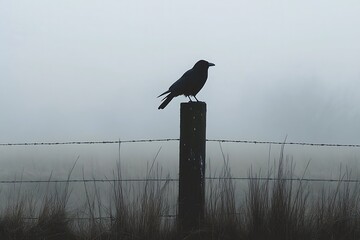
x=211 y=64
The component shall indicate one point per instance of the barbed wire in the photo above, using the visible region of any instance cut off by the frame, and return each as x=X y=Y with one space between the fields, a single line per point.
x=173 y=179
x=177 y=139
x=176 y=180
x=88 y=142
x=92 y=180
x=285 y=143
x=109 y=218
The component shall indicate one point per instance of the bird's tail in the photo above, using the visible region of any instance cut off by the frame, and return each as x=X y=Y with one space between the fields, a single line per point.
x=163 y=93
x=166 y=101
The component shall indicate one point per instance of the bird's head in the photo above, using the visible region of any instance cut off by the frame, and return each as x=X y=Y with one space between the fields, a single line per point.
x=202 y=64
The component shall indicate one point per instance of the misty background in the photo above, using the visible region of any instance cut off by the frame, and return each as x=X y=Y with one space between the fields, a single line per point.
x=91 y=71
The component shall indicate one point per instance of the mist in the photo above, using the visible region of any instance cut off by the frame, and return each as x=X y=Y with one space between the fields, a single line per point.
x=92 y=71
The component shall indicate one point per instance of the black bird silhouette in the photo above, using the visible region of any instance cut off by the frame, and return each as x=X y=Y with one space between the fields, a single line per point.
x=189 y=84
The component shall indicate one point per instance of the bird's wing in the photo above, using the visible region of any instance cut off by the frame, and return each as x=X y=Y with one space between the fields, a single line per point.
x=180 y=86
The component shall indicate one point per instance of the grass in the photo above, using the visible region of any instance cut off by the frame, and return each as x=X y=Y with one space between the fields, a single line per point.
x=269 y=209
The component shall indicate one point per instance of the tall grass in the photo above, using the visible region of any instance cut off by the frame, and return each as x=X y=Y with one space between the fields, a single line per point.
x=273 y=207
x=277 y=209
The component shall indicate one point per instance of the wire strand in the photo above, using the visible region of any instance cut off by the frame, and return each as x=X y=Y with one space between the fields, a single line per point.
x=176 y=180
x=177 y=139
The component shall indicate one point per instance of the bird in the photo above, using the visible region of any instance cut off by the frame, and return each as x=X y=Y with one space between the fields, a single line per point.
x=189 y=84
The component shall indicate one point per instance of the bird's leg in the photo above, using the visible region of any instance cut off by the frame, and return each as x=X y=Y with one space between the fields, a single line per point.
x=196 y=98
x=189 y=98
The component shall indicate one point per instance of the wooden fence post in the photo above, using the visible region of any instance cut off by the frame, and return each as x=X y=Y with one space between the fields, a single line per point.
x=192 y=165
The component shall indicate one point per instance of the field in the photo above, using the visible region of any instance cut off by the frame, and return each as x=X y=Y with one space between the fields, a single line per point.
x=271 y=204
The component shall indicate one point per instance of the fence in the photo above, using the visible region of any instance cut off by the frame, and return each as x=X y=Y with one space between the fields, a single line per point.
x=119 y=142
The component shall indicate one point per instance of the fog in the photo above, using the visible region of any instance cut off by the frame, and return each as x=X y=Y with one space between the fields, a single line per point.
x=91 y=71
x=137 y=159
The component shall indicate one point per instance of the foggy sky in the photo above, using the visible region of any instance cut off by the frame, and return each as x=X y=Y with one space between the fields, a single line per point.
x=91 y=70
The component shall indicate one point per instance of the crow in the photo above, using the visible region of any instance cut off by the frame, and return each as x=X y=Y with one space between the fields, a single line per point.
x=189 y=84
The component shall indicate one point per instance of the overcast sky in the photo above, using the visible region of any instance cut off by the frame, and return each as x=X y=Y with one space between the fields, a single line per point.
x=91 y=70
